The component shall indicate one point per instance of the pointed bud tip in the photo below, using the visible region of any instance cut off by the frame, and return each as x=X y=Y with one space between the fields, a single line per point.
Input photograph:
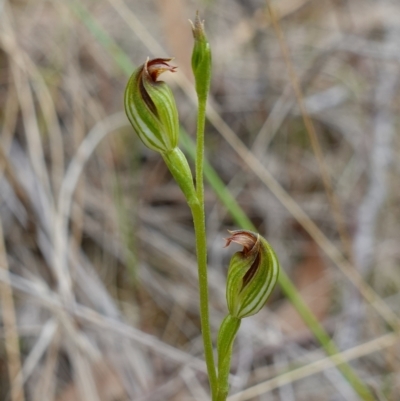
x=198 y=27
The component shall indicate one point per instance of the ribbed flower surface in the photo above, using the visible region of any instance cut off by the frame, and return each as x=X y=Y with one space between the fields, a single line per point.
x=252 y=274
x=150 y=106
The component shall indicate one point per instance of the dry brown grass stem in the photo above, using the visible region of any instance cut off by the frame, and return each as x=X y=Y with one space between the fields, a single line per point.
x=359 y=351
x=83 y=375
x=24 y=62
x=25 y=97
x=10 y=329
x=46 y=388
x=32 y=361
x=316 y=146
x=42 y=294
x=10 y=174
x=10 y=118
x=51 y=301
x=68 y=187
x=193 y=385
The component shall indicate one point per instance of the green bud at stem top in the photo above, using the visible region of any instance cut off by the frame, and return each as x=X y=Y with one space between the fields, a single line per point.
x=252 y=274
x=150 y=106
x=201 y=59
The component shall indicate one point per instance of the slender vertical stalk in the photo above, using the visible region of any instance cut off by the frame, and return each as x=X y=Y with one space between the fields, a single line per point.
x=201 y=245
x=180 y=170
x=201 y=118
x=201 y=249
x=201 y=66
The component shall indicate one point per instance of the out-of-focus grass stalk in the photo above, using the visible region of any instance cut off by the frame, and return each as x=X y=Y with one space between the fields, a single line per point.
x=333 y=200
x=11 y=340
x=125 y=228
x=230 y=203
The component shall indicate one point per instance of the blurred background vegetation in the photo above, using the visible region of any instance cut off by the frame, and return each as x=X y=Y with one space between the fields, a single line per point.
x=97 y=266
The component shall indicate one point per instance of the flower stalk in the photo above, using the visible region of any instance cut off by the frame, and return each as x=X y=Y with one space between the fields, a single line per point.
x=201 y=67
x=226 y=337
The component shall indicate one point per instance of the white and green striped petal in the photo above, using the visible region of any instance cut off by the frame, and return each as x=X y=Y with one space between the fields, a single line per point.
x=150 y=106
x=252 y=274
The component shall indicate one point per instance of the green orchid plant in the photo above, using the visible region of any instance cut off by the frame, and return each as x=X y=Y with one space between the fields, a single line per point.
x=253 y=272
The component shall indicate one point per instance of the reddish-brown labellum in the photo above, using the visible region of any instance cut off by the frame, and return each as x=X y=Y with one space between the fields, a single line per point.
x=154 y=68
x=245 y=238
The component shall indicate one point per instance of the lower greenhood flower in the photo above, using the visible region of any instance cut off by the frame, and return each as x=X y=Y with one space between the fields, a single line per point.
x=150 y=106
x=252 y=274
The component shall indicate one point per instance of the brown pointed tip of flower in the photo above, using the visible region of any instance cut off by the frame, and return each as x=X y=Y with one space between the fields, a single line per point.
x=245 y=238
x=197 y=27
x=154 y=68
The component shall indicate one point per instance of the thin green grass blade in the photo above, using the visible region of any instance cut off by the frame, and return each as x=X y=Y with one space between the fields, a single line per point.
x=119 y=56
x=126 y=231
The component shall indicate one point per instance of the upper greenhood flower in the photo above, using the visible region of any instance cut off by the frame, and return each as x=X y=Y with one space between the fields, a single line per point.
x=150 y=106
x=252 y=274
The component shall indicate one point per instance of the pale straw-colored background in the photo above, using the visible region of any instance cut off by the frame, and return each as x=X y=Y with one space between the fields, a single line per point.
x=97 y=266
